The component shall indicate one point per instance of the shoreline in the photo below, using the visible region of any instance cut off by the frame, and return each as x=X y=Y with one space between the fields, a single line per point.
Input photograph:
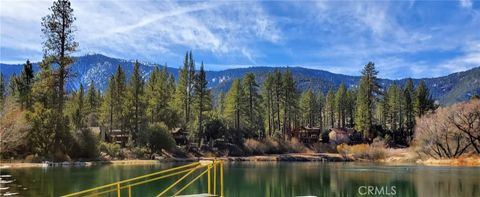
x=289 y=157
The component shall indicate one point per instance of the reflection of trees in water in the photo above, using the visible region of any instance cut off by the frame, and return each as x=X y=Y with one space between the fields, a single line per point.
x=274 y=179
x=447 y=182
x=267 y=179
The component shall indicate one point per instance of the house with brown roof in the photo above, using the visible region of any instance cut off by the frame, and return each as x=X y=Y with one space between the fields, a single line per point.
x=180 y=135
x=307 y=134
x=340 y=135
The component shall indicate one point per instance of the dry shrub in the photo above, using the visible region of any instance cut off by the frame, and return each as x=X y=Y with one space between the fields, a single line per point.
x=324 y=148
x=294 y=146
x=14 y=129
x=362 y=151
x=253 y=146
x=343 y=150
x=273 y=146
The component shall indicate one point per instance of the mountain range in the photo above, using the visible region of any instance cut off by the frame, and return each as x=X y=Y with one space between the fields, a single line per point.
x=98 y=68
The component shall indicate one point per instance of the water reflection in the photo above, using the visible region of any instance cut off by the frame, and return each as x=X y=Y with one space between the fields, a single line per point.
x=269 y=179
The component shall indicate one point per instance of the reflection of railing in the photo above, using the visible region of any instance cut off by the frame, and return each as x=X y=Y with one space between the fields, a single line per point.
x=209 y=167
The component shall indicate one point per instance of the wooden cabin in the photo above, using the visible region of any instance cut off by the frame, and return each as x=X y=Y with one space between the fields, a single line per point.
x=307 y=134
x=180 y=136
x=340 y=135
x=117 y=136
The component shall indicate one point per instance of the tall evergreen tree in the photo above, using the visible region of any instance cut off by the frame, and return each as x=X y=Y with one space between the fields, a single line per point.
x=135 y=102
x=321 y=110
x=250 y=87
x=350 y=110
x=58 y=30
x=78 y=109
x=366 y=97
x=24 y=85
x=235 y=105
x=308 y=104
x=268 y=100
x=184 y=89
x=290 y=102
x=108 y=104
x=341 y=105
x=423 y=102
x=92 y=99
x=12 y=85
x=92 y=104
x=392 y=107
x=202 y=100
x=330 y=109
x=43 y=115
x=409 y=106
x=114 y=105
x=278 y=97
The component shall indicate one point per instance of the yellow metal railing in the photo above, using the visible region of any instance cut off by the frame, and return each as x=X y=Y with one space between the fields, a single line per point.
x=209 y=166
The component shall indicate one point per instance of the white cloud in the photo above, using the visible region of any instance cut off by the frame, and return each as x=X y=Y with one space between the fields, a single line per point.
x=147 y=29
x=466 y=3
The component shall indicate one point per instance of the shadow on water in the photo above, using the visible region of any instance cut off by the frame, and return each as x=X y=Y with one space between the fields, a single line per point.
x=268 y=179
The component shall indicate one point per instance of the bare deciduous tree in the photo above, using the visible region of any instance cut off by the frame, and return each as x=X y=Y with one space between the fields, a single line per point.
x=450 y=131
x=466 y=118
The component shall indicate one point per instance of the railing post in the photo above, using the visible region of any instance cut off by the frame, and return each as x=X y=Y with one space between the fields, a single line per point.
x=209 y=179
x=215 y=177
x=118 y=190
x=129 y=191
x=221 y=178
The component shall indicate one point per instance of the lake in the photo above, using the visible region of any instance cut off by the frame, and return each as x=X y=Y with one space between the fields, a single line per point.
x=266 y=179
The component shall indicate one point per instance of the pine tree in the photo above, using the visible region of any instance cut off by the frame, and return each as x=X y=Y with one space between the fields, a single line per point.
x=114 y=108
x=220 y=105
x=330 y=108
x=24 y=85
x=321 y=110
x=341 y=105
x=423 y=102
x=92 y=99
x=119 y=107
x=153 y=98
x=308 y=104
x=366 y=97
x=58 y=30
x=253 y=102
x=351 y=99
x=202 y=100
x=235 y=105
x=78 y=110
x=135 y=102
x=108 y=104
x=409 y=104
x=278 y=97
x=43 y=115
x=12 y=85
x=184 y=89
x=268 y=94
x=393 y=109
x=92 y=104
x=290 y=102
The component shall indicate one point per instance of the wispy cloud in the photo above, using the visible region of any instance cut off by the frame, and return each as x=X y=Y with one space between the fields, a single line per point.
x=404 y=38
x=466 y=3
x=147 y=29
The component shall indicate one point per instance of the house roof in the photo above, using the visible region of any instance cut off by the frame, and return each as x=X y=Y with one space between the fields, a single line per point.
x=307 y=129
x=344 y=131
x=178 y=131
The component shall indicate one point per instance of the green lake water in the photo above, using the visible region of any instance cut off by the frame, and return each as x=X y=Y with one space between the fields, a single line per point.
x=266 y=179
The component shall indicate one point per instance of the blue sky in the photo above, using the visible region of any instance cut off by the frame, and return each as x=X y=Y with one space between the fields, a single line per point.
x=404 y=38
